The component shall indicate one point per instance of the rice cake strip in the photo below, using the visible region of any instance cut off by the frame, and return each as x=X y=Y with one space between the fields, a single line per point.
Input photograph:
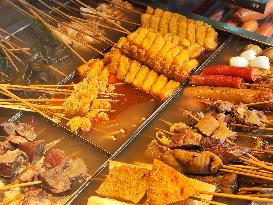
x=159 y=84
x=140 y=77
x=124 y=65
x=149 y=81
x=133 y=70
x=170 y=87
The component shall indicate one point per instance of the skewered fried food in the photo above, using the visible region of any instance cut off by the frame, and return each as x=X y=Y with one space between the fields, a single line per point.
x=161 y=54
x=142 y=77
x=178 y=25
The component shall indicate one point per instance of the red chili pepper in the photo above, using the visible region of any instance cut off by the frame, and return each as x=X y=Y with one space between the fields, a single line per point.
x=247 y=73
x=216 y=80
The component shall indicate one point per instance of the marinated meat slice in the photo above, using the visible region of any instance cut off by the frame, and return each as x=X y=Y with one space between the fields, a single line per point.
x=56 y=180
x=176 y=127
x=7 y=128
x=76 y=169
x=31 y=173
x=208 y=125
x=185 y=138
x=5 y=146
x=223 y=133
x=222 y=106
x=26 y=131
x=15 y=139
x=34 y=150
x=154 y=149
x=169 y=159
x=36 y=197
x=228 y=153
x=197 y=163
x=10 y=162
x=55 y=157
x=225 y=183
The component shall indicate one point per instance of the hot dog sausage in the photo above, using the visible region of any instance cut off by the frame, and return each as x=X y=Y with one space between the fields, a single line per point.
x=251 y=25
x=216 y=80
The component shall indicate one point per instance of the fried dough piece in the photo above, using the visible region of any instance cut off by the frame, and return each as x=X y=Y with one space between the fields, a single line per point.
x=158 y=12
x=124 y=65
x=113 y=57
x=195 y=50
x=131 y=37
x=157 y=46
x=182 y=28
x=154 y=23
x=148 y=41
x=191 y=31
x=181 y=58
x=170 y=87
x=141 y=36
x=167 y=186
x=173 y=24
x=149 y=10
x=149 y=81
x=165 y=49
x=211 y=39
x=159 y=84
x=125 y=182
x=145 y=20
x=164 y=23
x=141 y=75
x=84 y=69
x=95 y=69
x=133 y=70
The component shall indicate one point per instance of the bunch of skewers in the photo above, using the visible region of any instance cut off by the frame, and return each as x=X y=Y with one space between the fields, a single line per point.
x=30 y=167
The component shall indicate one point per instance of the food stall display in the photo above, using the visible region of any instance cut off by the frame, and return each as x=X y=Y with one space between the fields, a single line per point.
x=173 y=108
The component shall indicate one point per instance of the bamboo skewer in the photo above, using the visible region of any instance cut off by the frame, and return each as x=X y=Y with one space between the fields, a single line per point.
x=16 y=57
x=9 y=58
x=7 y=187
x=235 y=196
x=57 y=71
x=256 y=189
x=10 y=34
x=207 y=201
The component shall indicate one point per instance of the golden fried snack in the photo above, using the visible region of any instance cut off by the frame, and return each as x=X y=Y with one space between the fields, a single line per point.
x=141 y=75
x=157 y=46
x=182 y=57
x=148 y=41
x=133 y=35
x=191 y=31
x=123 y=69
x=170 y=87
x=150 y=10
x=84 y=69
x=158 y=12
x=145 y=20
x=133 y=70
x=173 y=24
x=164 y=23
x=121 y=41
x=176 y=40
x=154 y=23
x=200 y=32
x=113 y=57
x=167 y=36
x=182 y=28
x=159 y=84
x=149 y=81
x=95 y=69
x=195 y=50
x=211 y=39
x=165 y=50
x=142 y=32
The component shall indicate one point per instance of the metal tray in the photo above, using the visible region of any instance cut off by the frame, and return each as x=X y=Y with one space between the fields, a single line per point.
x=134 y=151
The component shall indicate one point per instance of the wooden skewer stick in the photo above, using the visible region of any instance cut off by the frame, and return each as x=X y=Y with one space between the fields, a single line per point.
x=166 y=122
x=256 y=189
x=198 y=198
x=56 y=34
x=17 y=8
x=19 y=185
x=56 y=70
x=10 y=34
x=259 y=103
x=237 y=196
x=258 y=85
x=9 y=58
x=13 y=107
x=67 y=7
x=257 y=163
x=191 y=115
x=16 y=57
x=19 y=49
x=125 y=8
x=31 y=106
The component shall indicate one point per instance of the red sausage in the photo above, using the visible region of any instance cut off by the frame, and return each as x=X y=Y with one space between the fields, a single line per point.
x=216 y=81
x=245 y=73
x=266 y=30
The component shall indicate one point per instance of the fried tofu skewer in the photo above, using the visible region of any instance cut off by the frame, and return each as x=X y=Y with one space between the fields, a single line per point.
x=171 y=56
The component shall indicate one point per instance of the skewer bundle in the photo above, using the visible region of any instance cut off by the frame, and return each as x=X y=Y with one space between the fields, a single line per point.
x=165 y=54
